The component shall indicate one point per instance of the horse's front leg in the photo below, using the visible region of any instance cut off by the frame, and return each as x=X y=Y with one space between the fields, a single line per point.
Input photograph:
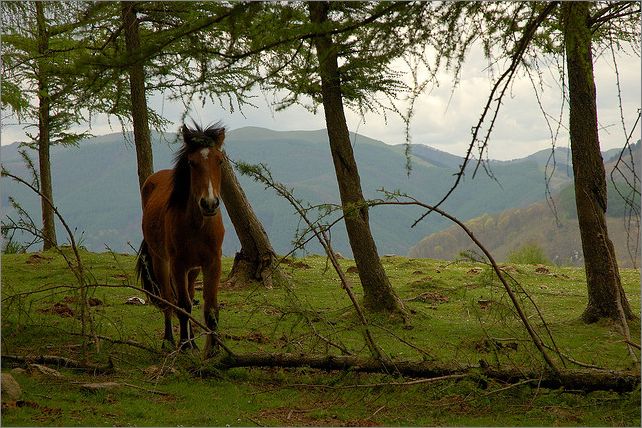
x=179 y=277
x=211 y=277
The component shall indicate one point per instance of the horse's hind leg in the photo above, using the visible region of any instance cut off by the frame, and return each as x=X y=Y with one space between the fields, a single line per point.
x=161 y=270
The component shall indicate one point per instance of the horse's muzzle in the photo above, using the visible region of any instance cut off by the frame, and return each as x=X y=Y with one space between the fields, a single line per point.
x=209 y=207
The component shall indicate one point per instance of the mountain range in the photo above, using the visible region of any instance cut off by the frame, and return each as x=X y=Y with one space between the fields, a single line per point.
x=96 y=186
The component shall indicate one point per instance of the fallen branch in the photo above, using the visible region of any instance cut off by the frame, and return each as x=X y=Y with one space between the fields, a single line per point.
x=333 y=362
x=575 y=379
x=60 y=362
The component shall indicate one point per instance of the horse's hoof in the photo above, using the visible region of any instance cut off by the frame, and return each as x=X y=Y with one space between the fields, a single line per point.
x=168 y=346
x=212 y=352
x=188 y=345
x=212 y=347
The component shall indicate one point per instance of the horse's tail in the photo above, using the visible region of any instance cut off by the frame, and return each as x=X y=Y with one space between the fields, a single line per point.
x=145 y=274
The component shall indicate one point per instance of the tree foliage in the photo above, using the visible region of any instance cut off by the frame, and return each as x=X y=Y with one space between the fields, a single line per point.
x=23 y=64
x=178 y=49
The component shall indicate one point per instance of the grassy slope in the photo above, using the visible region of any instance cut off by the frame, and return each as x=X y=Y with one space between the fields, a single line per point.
x=559 y=237
x=450 y=326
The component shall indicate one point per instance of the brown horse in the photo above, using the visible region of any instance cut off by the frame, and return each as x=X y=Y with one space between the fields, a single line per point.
x=183 y=232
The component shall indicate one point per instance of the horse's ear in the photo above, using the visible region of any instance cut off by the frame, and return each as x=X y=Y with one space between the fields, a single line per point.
x=219 y=139
x=216 y=134
x=187 y=135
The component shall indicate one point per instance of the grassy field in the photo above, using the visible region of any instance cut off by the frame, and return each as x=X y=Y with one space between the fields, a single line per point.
x=460 y=315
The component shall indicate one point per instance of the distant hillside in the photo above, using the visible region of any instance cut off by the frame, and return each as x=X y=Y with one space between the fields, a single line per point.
x=561 y=158
x=623 y=166
x=434 y=156
x=559 y=237
x=513 y=228
x=95 y=186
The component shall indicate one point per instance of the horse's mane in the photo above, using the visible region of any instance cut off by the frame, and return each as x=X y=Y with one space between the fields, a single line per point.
x=193 y=139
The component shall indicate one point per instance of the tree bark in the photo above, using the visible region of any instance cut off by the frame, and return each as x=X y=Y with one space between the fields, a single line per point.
x=378 y=292
x=256 y=261
x=606 y=298
x=44 y=141
x=142 y=139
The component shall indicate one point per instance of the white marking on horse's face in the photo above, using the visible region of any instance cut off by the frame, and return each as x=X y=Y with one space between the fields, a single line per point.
x=210 y=191
x=205 y=152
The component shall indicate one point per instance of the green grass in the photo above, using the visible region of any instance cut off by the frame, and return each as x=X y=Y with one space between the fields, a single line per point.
x=460 y=315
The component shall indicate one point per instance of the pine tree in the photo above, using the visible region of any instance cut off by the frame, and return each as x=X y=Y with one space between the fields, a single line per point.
x=38 y=40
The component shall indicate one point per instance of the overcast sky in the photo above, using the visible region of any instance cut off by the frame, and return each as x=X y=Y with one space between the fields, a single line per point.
x=443 y=119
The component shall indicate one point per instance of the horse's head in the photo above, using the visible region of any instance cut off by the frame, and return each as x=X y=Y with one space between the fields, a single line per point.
x=198 y=168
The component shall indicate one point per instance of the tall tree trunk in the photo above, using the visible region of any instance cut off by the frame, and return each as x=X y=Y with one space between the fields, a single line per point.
x=257 y=260
x=142 y=139
x=44 y=110
x=606 y=296
x=378 y=293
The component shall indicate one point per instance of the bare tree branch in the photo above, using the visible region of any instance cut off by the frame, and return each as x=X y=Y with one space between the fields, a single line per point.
x=503 y=82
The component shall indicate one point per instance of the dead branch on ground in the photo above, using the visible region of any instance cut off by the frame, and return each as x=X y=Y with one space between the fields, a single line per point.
x=584 y=380
x=60 y=362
